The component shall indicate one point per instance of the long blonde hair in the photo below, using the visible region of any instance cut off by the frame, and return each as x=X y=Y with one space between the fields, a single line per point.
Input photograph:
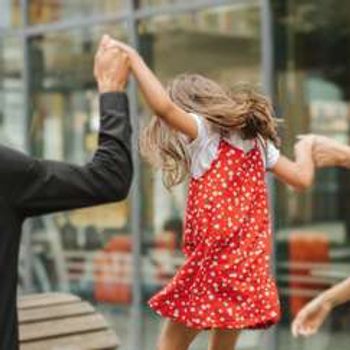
x=240 y=109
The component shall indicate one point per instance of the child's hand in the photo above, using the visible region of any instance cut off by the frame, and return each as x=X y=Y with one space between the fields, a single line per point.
x=113 y=43
x=305 y=143
x=111 y=67
x=310 y=318
x=306 y=140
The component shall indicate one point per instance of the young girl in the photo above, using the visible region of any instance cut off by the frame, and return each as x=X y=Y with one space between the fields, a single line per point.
x=224 y=141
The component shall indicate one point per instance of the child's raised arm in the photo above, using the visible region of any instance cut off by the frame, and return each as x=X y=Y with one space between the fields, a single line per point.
x=156 y=96
x=300 y=173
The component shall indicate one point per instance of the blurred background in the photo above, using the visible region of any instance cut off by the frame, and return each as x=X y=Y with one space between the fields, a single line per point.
x=118 y=255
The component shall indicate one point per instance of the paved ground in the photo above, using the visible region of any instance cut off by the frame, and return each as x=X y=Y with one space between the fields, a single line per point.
x=250 y=340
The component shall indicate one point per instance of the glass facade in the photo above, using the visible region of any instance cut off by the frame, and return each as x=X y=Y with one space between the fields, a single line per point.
x=12 y=114
x=50 y=11
x=312 y=230
x=10 y=15
x=49 y=108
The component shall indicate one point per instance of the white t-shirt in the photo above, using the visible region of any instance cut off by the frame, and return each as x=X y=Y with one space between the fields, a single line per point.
x=203 y=150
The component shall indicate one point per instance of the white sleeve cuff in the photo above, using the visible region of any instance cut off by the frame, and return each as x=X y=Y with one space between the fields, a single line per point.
x=272 y=155
x=194 y=145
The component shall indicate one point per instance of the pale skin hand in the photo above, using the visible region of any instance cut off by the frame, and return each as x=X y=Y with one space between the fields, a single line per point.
x=111 y=68
x=312 y=315
x=328 y=152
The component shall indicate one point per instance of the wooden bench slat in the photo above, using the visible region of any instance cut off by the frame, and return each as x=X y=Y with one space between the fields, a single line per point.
x=65 y=326
x=54 y=312
x=42 y=295
x=46 y=300
x=105 y=340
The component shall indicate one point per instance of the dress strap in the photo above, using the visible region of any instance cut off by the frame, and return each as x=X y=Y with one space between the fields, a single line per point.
x=261 y=143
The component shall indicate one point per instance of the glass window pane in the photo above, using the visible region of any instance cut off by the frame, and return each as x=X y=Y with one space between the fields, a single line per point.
x=156 y=3
x=313 y=230
x=222 y=43
x=159 y=2
x=57 y=10
x=12 y=111
x=10 y=14
x=86 y=252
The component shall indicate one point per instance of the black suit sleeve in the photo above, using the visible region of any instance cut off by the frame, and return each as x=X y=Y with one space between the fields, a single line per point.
x=37 y=187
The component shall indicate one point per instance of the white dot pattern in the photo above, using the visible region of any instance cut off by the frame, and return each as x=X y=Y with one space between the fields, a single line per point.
x=225 y=281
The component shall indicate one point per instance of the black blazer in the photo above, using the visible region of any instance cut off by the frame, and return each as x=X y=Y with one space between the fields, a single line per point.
x=29 y=187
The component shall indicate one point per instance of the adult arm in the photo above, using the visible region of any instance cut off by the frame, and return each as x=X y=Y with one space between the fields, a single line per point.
x=36 y=187
x=328 y=152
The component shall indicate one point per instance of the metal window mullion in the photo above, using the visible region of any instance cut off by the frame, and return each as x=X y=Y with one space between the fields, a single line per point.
x=27 y=232
x=136 y=319
x=189 y=6
x=267 y=78
x=75 y=23
x=120 y=15
x=4 y=32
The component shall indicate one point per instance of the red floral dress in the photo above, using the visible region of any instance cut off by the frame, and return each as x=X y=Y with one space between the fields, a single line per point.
x=225 y=281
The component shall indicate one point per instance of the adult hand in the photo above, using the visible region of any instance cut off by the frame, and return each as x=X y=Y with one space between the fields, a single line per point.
x=111 y=68
x=328 y=152
x=309 y=319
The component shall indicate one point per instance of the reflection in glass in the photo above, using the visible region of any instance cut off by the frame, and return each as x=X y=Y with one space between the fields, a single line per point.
x=10 y=14
x=12 y=113
x=56 y=10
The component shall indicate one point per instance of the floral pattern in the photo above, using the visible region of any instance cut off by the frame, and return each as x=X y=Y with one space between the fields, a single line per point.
x=225 y=281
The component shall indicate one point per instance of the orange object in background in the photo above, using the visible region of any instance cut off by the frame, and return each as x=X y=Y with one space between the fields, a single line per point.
x=119 y=244
x=305 y=248
x=167 y=241
x=112 y=272
x=113 y=268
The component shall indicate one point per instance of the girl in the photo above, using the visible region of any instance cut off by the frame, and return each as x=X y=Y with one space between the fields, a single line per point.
x=224 y=141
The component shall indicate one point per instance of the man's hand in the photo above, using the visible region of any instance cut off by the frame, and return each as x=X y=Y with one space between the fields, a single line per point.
x=111 y=68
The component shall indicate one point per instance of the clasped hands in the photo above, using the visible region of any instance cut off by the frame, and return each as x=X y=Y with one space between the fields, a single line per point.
x=111 y=66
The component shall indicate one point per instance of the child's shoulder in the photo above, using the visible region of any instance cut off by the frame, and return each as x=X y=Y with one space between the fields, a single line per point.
x=204 y=149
